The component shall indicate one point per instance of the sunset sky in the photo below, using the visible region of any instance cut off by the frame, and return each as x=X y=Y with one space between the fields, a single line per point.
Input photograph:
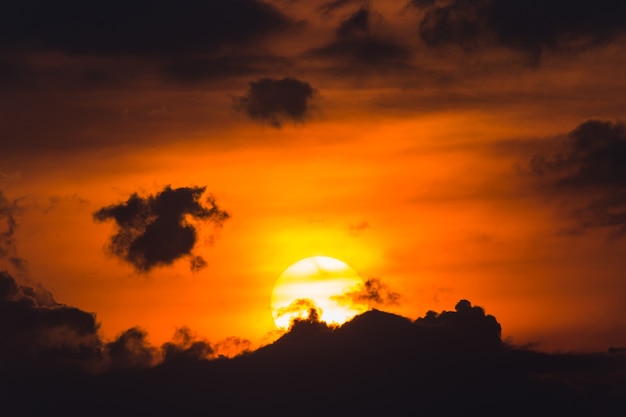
x=448 y=148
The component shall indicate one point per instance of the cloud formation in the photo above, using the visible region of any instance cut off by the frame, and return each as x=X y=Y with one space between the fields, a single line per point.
x=156 y=230
x=7 y=232
x=530 y=26
x=36 y=330
x=276 y=101
x=131 y=350
x=374 y=293
x=143 y=27
x=590 y=166
x=300 y=309
x=359 y=48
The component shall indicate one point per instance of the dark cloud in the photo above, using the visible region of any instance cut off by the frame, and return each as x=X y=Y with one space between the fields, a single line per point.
x=232 y=346
x=359 y=48
x=300 y=309
x=374 y=293
x=189 y=42
x=37 y=331
x=525 y=25
x=186 y=347
x=276 y=101
x=138 y=28
x=590 y=171
x=131 y=350
x=593 y=155
x=157 y=230
x=8 y=249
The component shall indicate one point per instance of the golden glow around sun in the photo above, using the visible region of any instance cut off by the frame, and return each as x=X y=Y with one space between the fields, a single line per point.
x=321 y=283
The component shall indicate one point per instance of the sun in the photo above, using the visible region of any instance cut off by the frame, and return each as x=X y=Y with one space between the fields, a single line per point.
x=318 y=283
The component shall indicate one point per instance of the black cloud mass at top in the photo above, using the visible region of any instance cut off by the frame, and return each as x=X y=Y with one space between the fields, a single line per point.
x=139 y=27
x=529 y=25
x=157 y=230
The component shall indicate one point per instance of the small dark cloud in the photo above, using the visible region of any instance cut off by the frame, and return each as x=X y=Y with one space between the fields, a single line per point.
x=157 y=230
x=276 y=101
x=190 y=42
x=530 y=26
x=186 y=347
x=356 y=228
x=589 y=170
x=359 y=48
x=374 y=293
x=300 y=309
x=8 y=250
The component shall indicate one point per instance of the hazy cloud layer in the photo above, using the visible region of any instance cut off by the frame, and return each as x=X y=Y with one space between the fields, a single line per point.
x=526 y=25
x=330 y=7
x=589 y=170
x=359 y=48
x=117 y=44
x=276 y=101
x=141 y=27
x=155 y=230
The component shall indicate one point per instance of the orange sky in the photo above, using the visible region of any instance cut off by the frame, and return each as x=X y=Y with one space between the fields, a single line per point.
x=416 y=172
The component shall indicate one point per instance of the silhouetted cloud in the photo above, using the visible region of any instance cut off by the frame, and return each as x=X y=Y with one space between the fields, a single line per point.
x=374 y=293
x=36 y=330
x=359 y=48
x=526 y=25
x=186 y=347
x=301 y=308
x=131 y=350
x=155 y=230
x=232 y=346
x=590 y=166
x=276 y=101
x=468 y=326
x=8 y=250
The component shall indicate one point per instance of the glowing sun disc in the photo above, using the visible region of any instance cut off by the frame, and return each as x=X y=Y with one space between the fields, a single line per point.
x=319 y=282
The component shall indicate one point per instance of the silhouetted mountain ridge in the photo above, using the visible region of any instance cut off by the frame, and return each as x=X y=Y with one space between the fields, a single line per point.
x=443 y=364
